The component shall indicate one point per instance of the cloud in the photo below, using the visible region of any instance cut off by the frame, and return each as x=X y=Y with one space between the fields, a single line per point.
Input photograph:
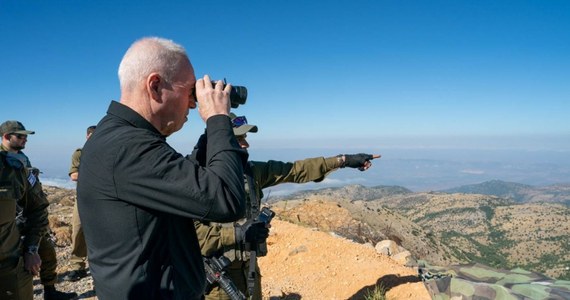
x=473 y=172
x=289 y=188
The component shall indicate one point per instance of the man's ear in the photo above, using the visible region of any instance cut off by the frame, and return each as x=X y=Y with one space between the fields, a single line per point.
x=153 y=86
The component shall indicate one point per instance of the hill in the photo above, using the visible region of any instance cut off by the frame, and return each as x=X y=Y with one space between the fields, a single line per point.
x=559 y=193
x=365 y=222
x=448 y=228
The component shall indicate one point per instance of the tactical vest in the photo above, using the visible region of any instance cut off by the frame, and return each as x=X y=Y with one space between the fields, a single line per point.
x=253 y=203
x=12 y=188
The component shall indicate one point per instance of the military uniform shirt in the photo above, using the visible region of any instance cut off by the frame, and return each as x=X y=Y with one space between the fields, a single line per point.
x=15 y=189
x=217 y=239
x=75 y=158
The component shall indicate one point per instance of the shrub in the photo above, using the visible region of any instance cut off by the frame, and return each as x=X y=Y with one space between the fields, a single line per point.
x=379 y=293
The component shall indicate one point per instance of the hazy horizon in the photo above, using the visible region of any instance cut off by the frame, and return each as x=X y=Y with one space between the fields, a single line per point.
x=418 y=169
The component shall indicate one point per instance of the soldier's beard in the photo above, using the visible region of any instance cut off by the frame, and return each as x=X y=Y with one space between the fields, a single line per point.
x=17 y=147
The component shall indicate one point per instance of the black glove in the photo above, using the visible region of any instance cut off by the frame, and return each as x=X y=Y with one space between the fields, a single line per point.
x=251 y=232
x=356 y=160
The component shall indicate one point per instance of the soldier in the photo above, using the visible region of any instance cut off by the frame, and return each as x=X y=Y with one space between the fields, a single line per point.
x=78 y=245
x=14 y=138
x=19 y=188
x=229 y=239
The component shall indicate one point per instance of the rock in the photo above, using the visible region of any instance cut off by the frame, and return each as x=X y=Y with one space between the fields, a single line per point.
x=387 y=247
x=405 y=258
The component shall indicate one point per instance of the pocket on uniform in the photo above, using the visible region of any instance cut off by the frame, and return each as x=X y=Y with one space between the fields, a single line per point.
x=7 y=203
x=8 y=191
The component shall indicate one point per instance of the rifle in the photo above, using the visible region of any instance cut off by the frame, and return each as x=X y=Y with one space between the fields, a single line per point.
x=215 y=273
x=255 y=250
x=264 y=215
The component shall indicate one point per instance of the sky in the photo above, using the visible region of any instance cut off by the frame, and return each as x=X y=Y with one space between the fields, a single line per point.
x=322 y=76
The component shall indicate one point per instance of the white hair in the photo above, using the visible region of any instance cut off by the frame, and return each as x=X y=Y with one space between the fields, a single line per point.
x=150 y=55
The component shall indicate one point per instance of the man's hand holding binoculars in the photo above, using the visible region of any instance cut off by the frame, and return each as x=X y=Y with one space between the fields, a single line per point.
x=213 y=99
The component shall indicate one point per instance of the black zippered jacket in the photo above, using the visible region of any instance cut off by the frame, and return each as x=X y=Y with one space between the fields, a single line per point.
x=137 y=200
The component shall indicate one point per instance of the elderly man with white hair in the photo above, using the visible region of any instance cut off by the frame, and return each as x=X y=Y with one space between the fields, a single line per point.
x=137 y=196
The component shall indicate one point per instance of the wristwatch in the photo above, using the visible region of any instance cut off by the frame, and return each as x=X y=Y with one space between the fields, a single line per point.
x=341 y=160
x=32 y=249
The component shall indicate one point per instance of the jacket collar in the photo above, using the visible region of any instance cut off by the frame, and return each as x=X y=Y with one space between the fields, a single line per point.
x=126 y=113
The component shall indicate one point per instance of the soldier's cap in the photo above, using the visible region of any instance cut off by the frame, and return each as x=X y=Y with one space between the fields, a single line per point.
x=240 y=125
x=12 y=126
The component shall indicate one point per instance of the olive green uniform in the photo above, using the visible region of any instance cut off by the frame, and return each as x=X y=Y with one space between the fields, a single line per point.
x=18 y=188
x=218 y=239
x=78 y=245
x=48 y=274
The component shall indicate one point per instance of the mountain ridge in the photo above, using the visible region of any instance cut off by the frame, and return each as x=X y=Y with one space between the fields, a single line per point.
x=459 y=227
x=522 y=193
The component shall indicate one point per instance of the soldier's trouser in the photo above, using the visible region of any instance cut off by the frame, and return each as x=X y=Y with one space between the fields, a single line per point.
x=237 y=271
x=78 y=245
x=15 y=281
x=48 y=275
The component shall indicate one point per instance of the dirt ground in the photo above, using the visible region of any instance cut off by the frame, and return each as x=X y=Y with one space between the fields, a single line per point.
x=309 y=264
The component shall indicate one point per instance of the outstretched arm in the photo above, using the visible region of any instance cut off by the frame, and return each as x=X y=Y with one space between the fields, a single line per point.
x=273 y=172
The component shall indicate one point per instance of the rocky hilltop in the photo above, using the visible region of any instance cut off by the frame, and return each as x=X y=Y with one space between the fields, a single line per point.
x=448 y=228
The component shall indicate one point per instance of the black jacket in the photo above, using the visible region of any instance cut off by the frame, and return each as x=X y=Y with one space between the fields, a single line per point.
x=137 y=199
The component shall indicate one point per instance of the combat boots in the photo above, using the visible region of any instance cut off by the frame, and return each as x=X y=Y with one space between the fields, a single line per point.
x=50 y=293
x=75 y=275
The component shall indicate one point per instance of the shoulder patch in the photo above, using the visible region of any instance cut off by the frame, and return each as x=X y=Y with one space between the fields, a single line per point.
x=32 y=179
